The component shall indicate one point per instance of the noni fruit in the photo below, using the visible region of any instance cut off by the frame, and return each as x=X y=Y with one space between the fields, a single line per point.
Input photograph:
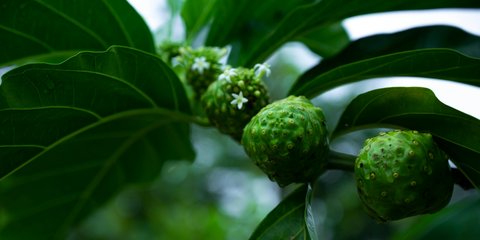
x=232 y=100
x=401 y=174
x=288 y=140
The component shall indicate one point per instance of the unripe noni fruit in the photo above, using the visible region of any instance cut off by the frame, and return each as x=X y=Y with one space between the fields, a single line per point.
x=232 y=100
x=169 y=50
x=288 y=140
x=401 y=174
x=202 y=66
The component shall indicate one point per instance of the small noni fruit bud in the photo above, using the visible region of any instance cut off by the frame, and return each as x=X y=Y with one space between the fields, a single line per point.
x=232 y=100
x=401 y=174
x=169 y=50
x=288 y=140
x=202 y=66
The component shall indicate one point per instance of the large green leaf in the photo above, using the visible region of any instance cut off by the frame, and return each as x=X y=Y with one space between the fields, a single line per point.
x=383 y=44
x=457 y=133
x=56 y=29
x=196 y=14
x=307 y=18
x=74 y=134
x=429 y=63
x=245 y=22
x=457 y=221
x=311 y=218
x=286 y=220
x=326 y=41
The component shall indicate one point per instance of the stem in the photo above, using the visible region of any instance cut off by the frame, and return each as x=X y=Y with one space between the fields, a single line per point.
x=201 y=121
x=341 y=161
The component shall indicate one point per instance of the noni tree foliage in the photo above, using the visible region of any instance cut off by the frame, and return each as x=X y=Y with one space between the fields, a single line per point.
x=91 y=105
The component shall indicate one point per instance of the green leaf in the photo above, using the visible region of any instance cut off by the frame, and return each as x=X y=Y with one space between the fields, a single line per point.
x=326 y=41
x=286 y=220
x=457 y=221
x=383 y=44
x=310 y=216
x=429 y=63
x=309 y=17
x=72 y=135
x=457 y=133
x=196 y=14
x=49 y=30
x=244 y=23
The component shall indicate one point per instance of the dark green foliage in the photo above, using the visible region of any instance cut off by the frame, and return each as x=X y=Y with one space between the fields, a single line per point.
x=109 y=113
x=106 y=129
x=52 y=30
x=277 y=224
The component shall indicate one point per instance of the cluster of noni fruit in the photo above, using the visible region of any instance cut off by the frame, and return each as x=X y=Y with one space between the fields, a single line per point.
x=400 y=173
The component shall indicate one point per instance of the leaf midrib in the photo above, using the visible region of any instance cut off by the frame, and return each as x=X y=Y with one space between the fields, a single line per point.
x=140 y=92
x=175 y=116
x=85 y=195
x=265 y=230
x=95 y=115
x=28 y=36
x=120 y=23
x=368 y=71
x=74 y=22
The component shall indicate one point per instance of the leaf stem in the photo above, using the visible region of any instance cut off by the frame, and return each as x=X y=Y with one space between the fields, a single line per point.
x=201 y=121
x=341 y=161
x=183 y=117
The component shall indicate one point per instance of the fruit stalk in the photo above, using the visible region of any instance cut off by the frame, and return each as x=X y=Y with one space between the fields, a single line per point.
x=341 y=161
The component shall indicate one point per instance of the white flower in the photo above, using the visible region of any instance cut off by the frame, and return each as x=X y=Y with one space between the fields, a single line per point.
x=200 y=64
x=227 y=75
x=238 y=100
x=262 y=69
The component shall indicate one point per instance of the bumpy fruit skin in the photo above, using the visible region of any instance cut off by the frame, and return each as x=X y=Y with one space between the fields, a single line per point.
x=288 y=140
x=401 y=174
x=226 y=116
x=168 y=50
x=200 y=80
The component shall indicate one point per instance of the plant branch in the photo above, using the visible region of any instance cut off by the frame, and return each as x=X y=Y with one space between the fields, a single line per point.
x=201 y=121
x=341 y=161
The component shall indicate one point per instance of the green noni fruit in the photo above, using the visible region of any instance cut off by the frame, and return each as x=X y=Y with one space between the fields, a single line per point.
x=401 y=174
x=232 y=100
x=288 y=140
x=202 y=66
x=169 y=50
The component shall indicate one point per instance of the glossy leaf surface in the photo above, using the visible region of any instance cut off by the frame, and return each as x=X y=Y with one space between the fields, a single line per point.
x=245 y=23
x=196 y=14
x=74 y=134
x=412 y=39
x=52 y=30
x=326 y=41
x=286 y=220
x=298 y=21
x=458 y=221
x=429 y=63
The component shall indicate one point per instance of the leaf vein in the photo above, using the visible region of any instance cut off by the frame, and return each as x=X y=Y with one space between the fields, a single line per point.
x=74 y=22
